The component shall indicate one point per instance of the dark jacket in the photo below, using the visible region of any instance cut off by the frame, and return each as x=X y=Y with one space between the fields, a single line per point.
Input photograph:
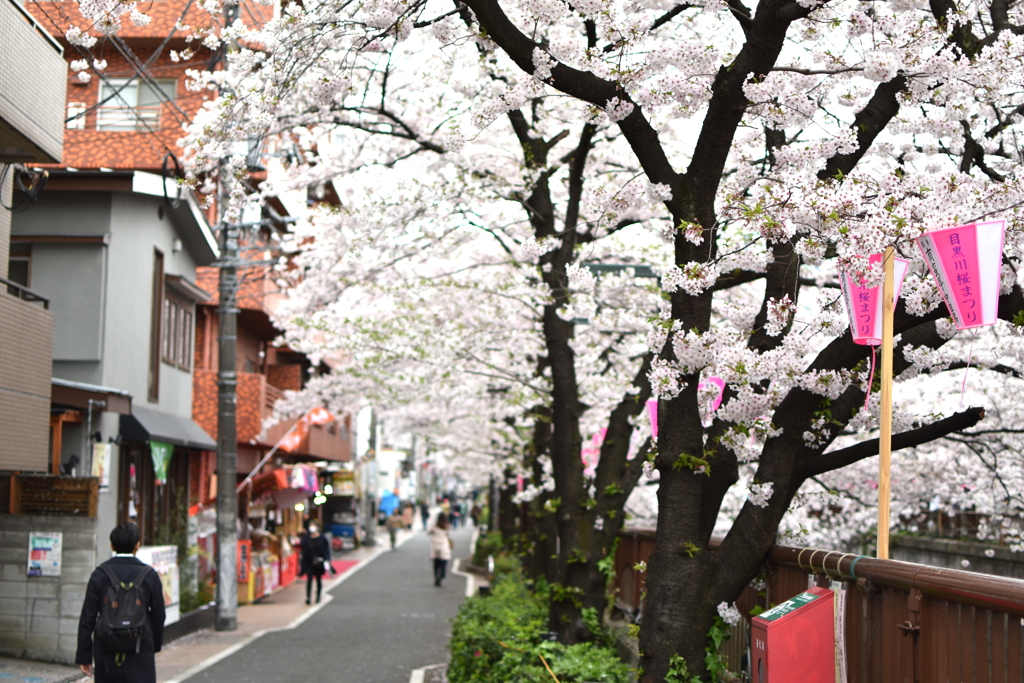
x=137 y=668
x=313 y=548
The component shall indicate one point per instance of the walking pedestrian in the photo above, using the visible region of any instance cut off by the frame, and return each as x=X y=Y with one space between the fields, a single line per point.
x=408 y=513
x=440 y=547
x=393 y=524
x=122 y=623
x=425 y=514
x=315 y=559
x=475 y=513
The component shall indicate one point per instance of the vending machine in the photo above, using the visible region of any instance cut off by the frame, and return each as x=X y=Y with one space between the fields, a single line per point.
x=795 y=642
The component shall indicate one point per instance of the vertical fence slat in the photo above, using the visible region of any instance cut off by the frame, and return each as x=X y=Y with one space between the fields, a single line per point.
x=953 y=642
x=997 y=641
x=906 y=639
x=967 y=639
x=1015 y=667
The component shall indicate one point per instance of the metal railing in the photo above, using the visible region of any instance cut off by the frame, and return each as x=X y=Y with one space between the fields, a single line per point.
x=24 y=293
x=903 y=621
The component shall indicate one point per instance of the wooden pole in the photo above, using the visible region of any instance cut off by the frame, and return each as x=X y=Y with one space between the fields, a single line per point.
x=885 y=418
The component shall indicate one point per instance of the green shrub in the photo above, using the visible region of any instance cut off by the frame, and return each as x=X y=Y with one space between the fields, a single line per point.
x=487 y=544
x=498 y=639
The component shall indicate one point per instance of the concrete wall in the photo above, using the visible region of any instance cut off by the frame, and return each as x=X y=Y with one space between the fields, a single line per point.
x=941 y=552
x=39 y=614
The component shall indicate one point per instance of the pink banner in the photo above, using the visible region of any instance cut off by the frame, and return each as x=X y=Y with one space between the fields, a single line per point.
x=864 y=304
x=966 y=262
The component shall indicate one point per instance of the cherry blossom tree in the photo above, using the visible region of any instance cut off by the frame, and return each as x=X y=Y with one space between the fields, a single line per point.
x=768 y=146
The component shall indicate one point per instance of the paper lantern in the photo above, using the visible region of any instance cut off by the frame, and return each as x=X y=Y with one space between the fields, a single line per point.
x=966 y=262
x=864 y=304
x=652 y=405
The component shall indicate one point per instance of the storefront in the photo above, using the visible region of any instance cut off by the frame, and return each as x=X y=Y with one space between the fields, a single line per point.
x=154 y=481
x=276 y=507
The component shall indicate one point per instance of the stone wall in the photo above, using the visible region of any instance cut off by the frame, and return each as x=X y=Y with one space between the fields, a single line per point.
x=39 y=614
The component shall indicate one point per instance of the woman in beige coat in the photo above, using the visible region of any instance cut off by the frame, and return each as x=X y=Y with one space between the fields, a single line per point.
x=440 y=547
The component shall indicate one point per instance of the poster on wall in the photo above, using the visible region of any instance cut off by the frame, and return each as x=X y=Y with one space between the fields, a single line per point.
x=45 y=552
x=164 y=560
x=101 y=464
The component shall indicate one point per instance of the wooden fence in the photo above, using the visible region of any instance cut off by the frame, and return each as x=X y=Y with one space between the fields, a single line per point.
x=904 y=622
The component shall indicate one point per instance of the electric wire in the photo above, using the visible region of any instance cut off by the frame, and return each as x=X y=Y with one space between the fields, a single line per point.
x=148 y=63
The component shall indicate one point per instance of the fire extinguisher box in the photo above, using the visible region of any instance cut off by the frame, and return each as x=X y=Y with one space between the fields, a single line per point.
x=795 y=641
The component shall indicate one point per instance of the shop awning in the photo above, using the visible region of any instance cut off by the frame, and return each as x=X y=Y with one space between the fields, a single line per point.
x=145 y=424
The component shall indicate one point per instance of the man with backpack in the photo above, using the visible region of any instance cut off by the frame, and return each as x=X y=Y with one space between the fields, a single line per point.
x=122 y=622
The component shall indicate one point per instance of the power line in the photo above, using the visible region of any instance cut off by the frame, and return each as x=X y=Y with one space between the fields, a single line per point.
x=148 y=63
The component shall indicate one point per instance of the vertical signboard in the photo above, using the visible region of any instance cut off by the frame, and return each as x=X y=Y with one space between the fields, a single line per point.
x=164 y=561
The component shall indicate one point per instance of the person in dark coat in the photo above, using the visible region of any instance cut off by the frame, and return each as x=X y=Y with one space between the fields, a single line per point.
x=315 y=559
x=138 y=667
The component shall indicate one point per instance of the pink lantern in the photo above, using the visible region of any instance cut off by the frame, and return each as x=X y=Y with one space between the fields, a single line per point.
x=591 y=456
x=966 y=262
x=652 y=405
x=864 y=304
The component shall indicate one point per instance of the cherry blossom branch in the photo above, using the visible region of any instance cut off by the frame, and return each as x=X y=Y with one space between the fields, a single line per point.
x=834 y=460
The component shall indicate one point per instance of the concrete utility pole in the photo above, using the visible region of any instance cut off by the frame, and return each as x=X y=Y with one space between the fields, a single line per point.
x=370 y=491
x=226 y=611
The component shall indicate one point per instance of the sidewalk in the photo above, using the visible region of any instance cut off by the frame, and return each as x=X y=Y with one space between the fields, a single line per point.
x=36 y=672
x=283 y=609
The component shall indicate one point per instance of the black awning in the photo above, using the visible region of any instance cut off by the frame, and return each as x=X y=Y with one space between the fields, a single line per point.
x=145 y=424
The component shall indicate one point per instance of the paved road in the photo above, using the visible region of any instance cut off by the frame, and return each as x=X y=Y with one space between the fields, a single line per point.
x=384 y=621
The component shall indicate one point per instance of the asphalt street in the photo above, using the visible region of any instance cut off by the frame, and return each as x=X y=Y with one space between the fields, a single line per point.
x=385 y=620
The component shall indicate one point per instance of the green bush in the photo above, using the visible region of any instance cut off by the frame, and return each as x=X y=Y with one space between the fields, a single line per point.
x=498 y=639
x=487 y=544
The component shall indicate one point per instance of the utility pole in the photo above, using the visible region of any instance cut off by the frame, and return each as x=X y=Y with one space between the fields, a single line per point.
x=370 y=496
x=226 y=611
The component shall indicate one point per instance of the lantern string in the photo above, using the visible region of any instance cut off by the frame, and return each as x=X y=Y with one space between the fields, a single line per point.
x=970 y=357
x=871 y=379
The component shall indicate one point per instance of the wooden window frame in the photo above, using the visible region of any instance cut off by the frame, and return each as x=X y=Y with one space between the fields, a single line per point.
x=178 y=336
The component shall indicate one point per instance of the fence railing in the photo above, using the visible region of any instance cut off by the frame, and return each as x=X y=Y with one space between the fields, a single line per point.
x=24 y=293
x=903 y=622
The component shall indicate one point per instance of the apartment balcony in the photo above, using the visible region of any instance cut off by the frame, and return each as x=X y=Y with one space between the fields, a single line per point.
x=32 y=108
x=256 y=399
x=26 y=356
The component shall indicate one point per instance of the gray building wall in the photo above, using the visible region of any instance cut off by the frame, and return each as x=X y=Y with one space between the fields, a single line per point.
x=102 y=298
x=39 y=614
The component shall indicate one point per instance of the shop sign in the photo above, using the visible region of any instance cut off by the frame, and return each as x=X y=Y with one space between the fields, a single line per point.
x=242 y=559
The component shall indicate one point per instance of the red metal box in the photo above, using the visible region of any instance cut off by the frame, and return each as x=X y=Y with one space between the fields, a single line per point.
x=795 y=641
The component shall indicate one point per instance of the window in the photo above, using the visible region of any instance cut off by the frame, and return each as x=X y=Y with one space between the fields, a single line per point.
x=19 y=264
x=129 y=104
x=176 y=346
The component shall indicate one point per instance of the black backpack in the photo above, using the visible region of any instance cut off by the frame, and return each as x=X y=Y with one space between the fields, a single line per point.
x=123 y=622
